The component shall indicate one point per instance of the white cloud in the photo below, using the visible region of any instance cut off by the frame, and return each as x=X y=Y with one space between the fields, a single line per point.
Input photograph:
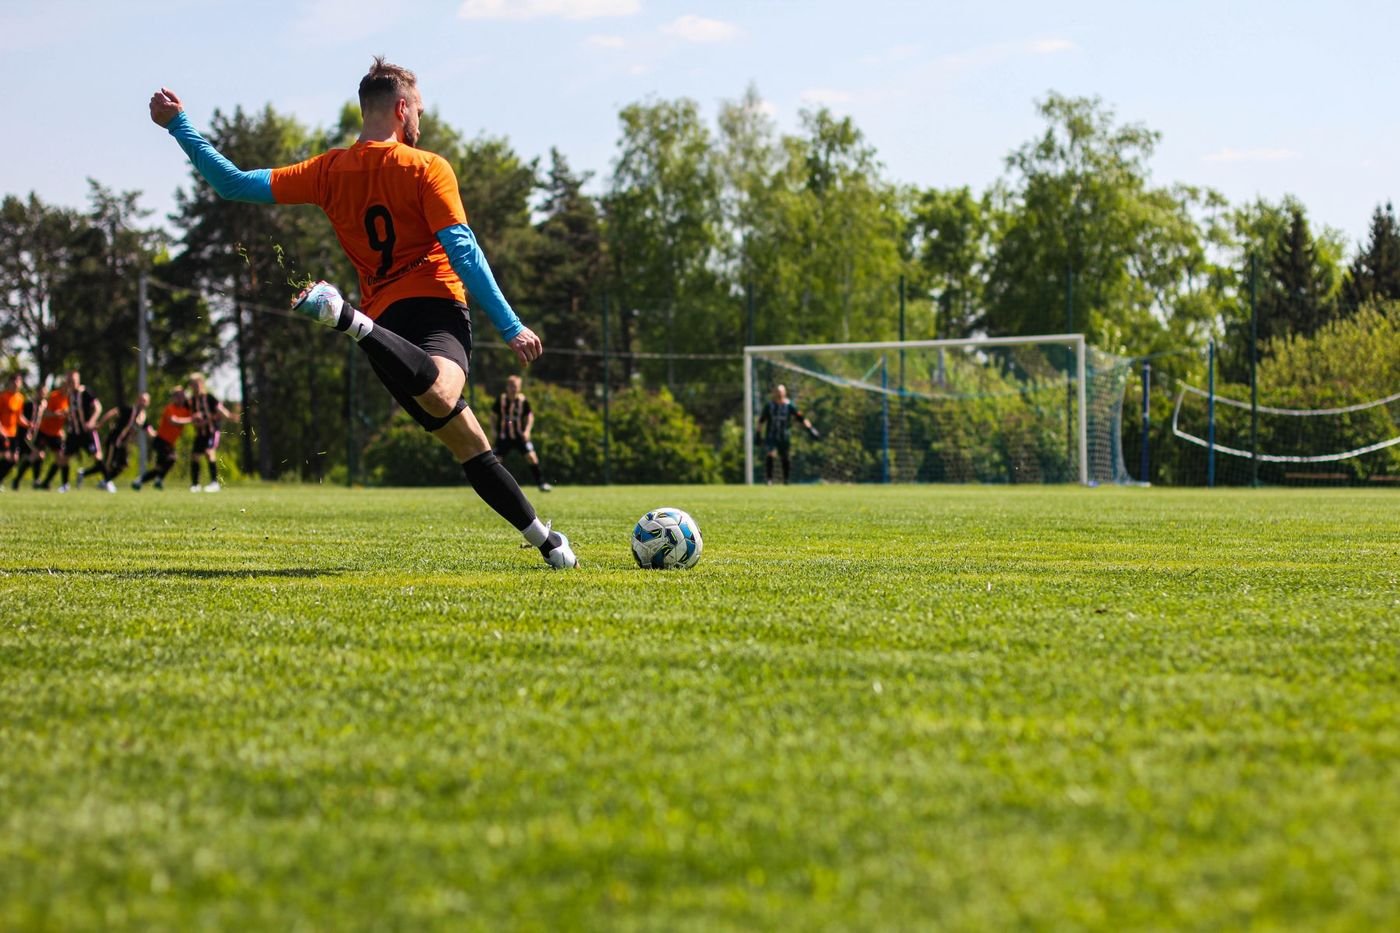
x=605 y=42
x=1050 y=46
x=825 y=95
x=694 y=28
x=536 y=9
x=988 y=55
x=1252 y=155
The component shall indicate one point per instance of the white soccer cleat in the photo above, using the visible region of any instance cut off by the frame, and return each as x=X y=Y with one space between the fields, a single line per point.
x=562 y=557
x=196 y=488
x=109 y=486
x=213 y=486
x=322 y=302
x=63 y=488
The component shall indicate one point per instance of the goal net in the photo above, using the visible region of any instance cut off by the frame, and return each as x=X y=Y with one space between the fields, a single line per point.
x=1291 y=443
x=992 y=410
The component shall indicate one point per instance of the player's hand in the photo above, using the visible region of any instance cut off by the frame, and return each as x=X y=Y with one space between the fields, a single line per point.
x=164 y=106
x=816 y=435
x=527 y=346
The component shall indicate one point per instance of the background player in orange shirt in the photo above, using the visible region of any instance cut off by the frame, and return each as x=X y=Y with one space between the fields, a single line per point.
x=53 y=418
x=173 y=419
x=81 y=408
x=13 y=424
x=398 y=215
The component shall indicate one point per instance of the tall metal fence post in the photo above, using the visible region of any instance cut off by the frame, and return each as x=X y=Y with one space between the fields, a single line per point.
x=1253 y=369
x=901 y=336
x=143 y=346
x=1210 y=418
x=607 y=375
x=352 y=415
x=884 y=419
x=1143 y=475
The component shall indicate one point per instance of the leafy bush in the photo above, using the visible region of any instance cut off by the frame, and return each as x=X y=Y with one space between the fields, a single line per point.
x=403 y=454
x=654 y=440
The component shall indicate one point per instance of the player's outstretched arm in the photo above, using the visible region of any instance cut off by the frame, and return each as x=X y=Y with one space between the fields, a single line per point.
x=470 y=264
x=223 y=176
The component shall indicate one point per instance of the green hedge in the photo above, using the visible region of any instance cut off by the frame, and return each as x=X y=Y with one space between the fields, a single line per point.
x=654 y=440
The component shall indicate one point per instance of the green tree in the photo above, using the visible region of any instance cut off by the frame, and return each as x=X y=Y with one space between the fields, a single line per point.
x=1375 y=272
x=662 y=228
x=247 y=258
x=953 y=234
x=565 y=279
x=1298 y=291
x=1087 y=244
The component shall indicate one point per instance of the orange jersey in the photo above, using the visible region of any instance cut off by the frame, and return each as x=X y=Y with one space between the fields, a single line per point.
x=170 y=429
x=386 y=201
x=55 y=413
x=11 y=412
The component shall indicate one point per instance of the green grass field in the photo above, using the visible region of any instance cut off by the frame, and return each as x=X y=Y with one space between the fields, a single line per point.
x=867 y=708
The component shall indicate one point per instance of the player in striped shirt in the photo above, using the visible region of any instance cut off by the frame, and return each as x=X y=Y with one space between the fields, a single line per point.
x=515 y=423
x=209 y=415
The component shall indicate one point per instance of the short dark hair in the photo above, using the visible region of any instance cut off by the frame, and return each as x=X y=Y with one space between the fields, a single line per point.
x=385 y=83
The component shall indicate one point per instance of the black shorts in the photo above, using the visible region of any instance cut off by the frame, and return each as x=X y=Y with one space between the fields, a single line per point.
x=164 y=451
x=205 y=442
x=43 y=442
x=117 y=457
x=79 y=441
x=505 y=445
x=781 y=444
x=437 y=326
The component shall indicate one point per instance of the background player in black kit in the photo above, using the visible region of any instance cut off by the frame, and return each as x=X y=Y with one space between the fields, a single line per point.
x=515 y=421
x=209 y=415
x=128 y=421
x=775 y=421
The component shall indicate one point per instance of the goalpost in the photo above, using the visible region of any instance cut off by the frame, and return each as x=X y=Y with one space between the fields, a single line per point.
x=995 y=409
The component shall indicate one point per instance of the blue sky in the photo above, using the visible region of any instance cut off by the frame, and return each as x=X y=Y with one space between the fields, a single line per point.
x=1252 y=98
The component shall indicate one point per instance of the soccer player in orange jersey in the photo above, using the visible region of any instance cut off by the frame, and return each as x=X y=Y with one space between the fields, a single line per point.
x=398 y=215
x=12 y=424
x=173 y=418
x=53 y=418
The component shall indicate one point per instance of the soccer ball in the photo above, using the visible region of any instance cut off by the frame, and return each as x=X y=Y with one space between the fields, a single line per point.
x=666 y=538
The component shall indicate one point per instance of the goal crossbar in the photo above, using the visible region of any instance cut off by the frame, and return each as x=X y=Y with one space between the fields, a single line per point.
x=1073 y=341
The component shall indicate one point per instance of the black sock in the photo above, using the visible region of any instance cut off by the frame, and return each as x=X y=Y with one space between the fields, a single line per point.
x=64 y=472
x=768 y=469
x=399 y=361
x=213 y=471
x=19 y=474
x=5 y=467
x=498 y=489
x=787 y=468
x=194 y=471
x=535 y=469
x=48 y=477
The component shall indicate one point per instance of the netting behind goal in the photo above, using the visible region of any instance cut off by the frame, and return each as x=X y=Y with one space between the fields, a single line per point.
x=968 y=411
x=1294 y=440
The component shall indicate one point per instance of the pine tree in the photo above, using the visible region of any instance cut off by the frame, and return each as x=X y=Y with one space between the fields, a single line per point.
x=1375 y=273
x=1293 y=298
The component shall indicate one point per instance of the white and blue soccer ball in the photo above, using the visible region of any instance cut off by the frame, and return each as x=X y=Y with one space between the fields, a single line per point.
x=665 y=539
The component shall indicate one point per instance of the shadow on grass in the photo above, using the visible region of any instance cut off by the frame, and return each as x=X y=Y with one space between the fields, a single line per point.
x=178 y=573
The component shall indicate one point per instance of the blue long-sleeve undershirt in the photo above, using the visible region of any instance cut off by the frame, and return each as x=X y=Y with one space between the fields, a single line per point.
x=471 y=267
x=223 y=176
